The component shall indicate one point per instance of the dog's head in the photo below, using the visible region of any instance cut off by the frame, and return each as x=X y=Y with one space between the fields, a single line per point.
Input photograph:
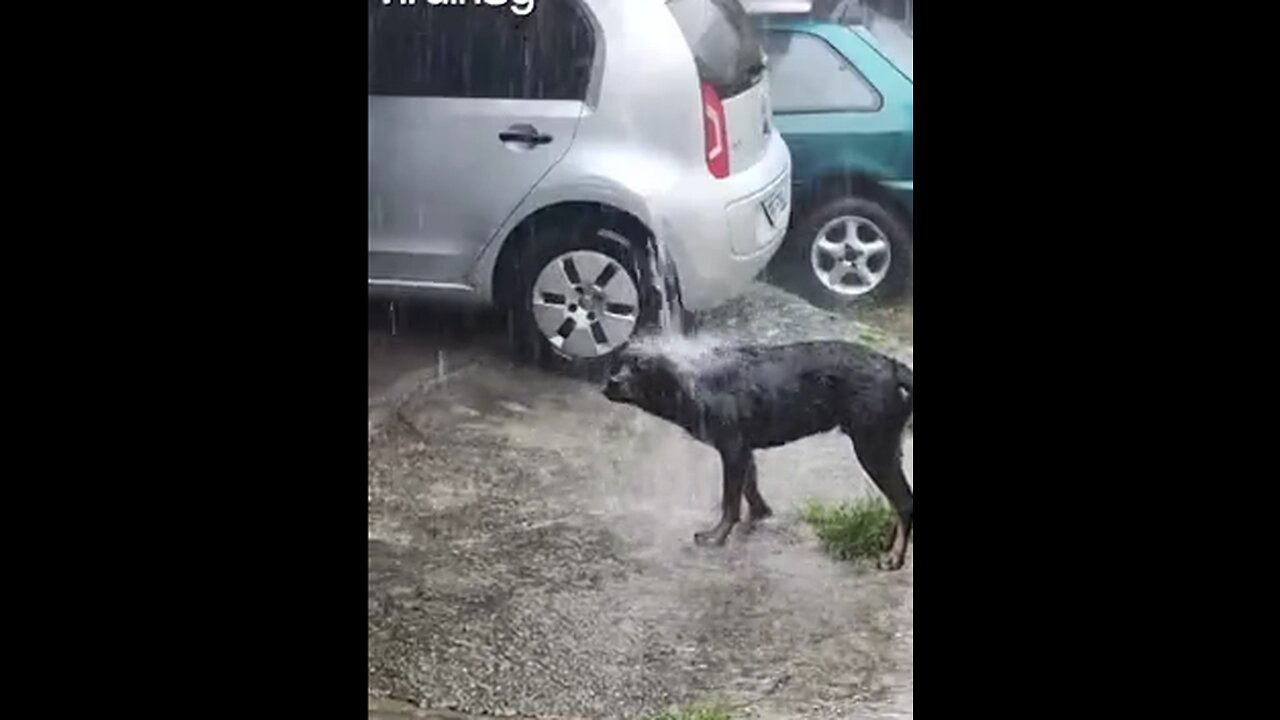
x=641 y=379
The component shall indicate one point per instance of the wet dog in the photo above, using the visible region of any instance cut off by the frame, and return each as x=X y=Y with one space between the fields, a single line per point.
x=747 y=398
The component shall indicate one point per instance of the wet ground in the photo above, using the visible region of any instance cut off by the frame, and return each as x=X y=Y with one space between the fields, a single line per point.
x=531 y=554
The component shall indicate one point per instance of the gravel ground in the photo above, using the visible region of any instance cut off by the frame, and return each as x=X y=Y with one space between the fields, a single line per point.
x=530 y=547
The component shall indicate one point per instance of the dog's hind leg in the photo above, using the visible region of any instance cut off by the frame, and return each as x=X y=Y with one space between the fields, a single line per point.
x=880 y=452
x=738 y=465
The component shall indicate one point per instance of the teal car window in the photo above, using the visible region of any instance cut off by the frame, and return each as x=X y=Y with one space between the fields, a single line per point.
x=807 y=75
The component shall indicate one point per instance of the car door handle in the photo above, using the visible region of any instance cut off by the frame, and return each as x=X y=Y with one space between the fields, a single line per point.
x=526 y=134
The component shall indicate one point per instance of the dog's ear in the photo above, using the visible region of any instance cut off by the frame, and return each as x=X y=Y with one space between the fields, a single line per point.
x=628 y=358
x=666 y=366
x=668 y=373
x=617 y=362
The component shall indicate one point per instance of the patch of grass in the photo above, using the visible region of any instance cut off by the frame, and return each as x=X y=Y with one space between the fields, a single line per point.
x=851 y=530
x=872 y=334
x=875 y=336
x=694 y=714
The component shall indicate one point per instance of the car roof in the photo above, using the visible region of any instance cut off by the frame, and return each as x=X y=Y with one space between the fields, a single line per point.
x=763 y=7
x=831 y=28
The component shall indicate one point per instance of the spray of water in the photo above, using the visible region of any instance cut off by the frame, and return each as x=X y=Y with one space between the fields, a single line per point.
x=670 y=309
x=690 y=353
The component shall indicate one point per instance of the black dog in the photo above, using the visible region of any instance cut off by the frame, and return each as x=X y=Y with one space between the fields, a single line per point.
x=748 y=398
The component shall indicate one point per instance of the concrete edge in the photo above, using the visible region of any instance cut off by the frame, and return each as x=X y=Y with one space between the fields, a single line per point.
x=423 y=380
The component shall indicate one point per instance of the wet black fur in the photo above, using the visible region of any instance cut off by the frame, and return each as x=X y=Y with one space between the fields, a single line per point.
x=753 y=397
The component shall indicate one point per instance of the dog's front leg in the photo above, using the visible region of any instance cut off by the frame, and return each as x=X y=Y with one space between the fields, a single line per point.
x=755 y=501
x=737 y=464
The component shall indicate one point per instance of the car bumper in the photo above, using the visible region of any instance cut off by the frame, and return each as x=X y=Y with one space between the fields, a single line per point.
x=718 y=233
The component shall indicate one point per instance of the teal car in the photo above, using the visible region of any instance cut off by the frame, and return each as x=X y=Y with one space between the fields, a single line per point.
x=845 y=110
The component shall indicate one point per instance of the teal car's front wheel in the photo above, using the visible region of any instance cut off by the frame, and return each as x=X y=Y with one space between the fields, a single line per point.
x=847 y=250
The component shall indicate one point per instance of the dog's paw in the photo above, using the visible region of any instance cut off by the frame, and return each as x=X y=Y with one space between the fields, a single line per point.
x=709 y=538
x=891 y=561
x=761 y=514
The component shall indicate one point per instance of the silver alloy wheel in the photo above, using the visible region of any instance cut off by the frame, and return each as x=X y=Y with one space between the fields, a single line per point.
x=585 y=304
x=850 y=255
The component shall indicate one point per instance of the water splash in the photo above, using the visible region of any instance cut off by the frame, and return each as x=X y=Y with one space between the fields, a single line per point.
x=670 y=307
x=690 y=353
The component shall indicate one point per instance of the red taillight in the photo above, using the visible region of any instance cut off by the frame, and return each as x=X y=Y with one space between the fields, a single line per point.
x=713 y=127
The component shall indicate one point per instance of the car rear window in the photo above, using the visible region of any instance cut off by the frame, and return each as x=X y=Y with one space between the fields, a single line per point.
x=723 y=41
x=423 y=50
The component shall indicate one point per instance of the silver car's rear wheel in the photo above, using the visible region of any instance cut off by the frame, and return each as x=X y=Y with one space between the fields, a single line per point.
x=585 y=304
x=850 y=255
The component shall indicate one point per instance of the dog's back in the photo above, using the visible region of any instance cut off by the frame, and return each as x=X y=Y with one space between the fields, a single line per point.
x=772 y=395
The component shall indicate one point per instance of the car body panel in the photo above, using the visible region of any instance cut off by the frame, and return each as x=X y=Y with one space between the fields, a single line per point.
x=635 y=143
x=877 y=144
x=423 y=221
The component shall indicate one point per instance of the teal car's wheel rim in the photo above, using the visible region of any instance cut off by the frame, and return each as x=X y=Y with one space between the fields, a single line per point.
x=850 y=255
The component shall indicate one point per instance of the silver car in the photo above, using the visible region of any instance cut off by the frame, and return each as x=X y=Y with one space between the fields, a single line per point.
x=571 y=162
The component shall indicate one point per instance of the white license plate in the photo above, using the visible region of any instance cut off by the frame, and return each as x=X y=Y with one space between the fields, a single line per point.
x=775 y=206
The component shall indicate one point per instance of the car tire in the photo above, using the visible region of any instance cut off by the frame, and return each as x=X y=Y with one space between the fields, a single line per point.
x=582 y=294
x=872 y=265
